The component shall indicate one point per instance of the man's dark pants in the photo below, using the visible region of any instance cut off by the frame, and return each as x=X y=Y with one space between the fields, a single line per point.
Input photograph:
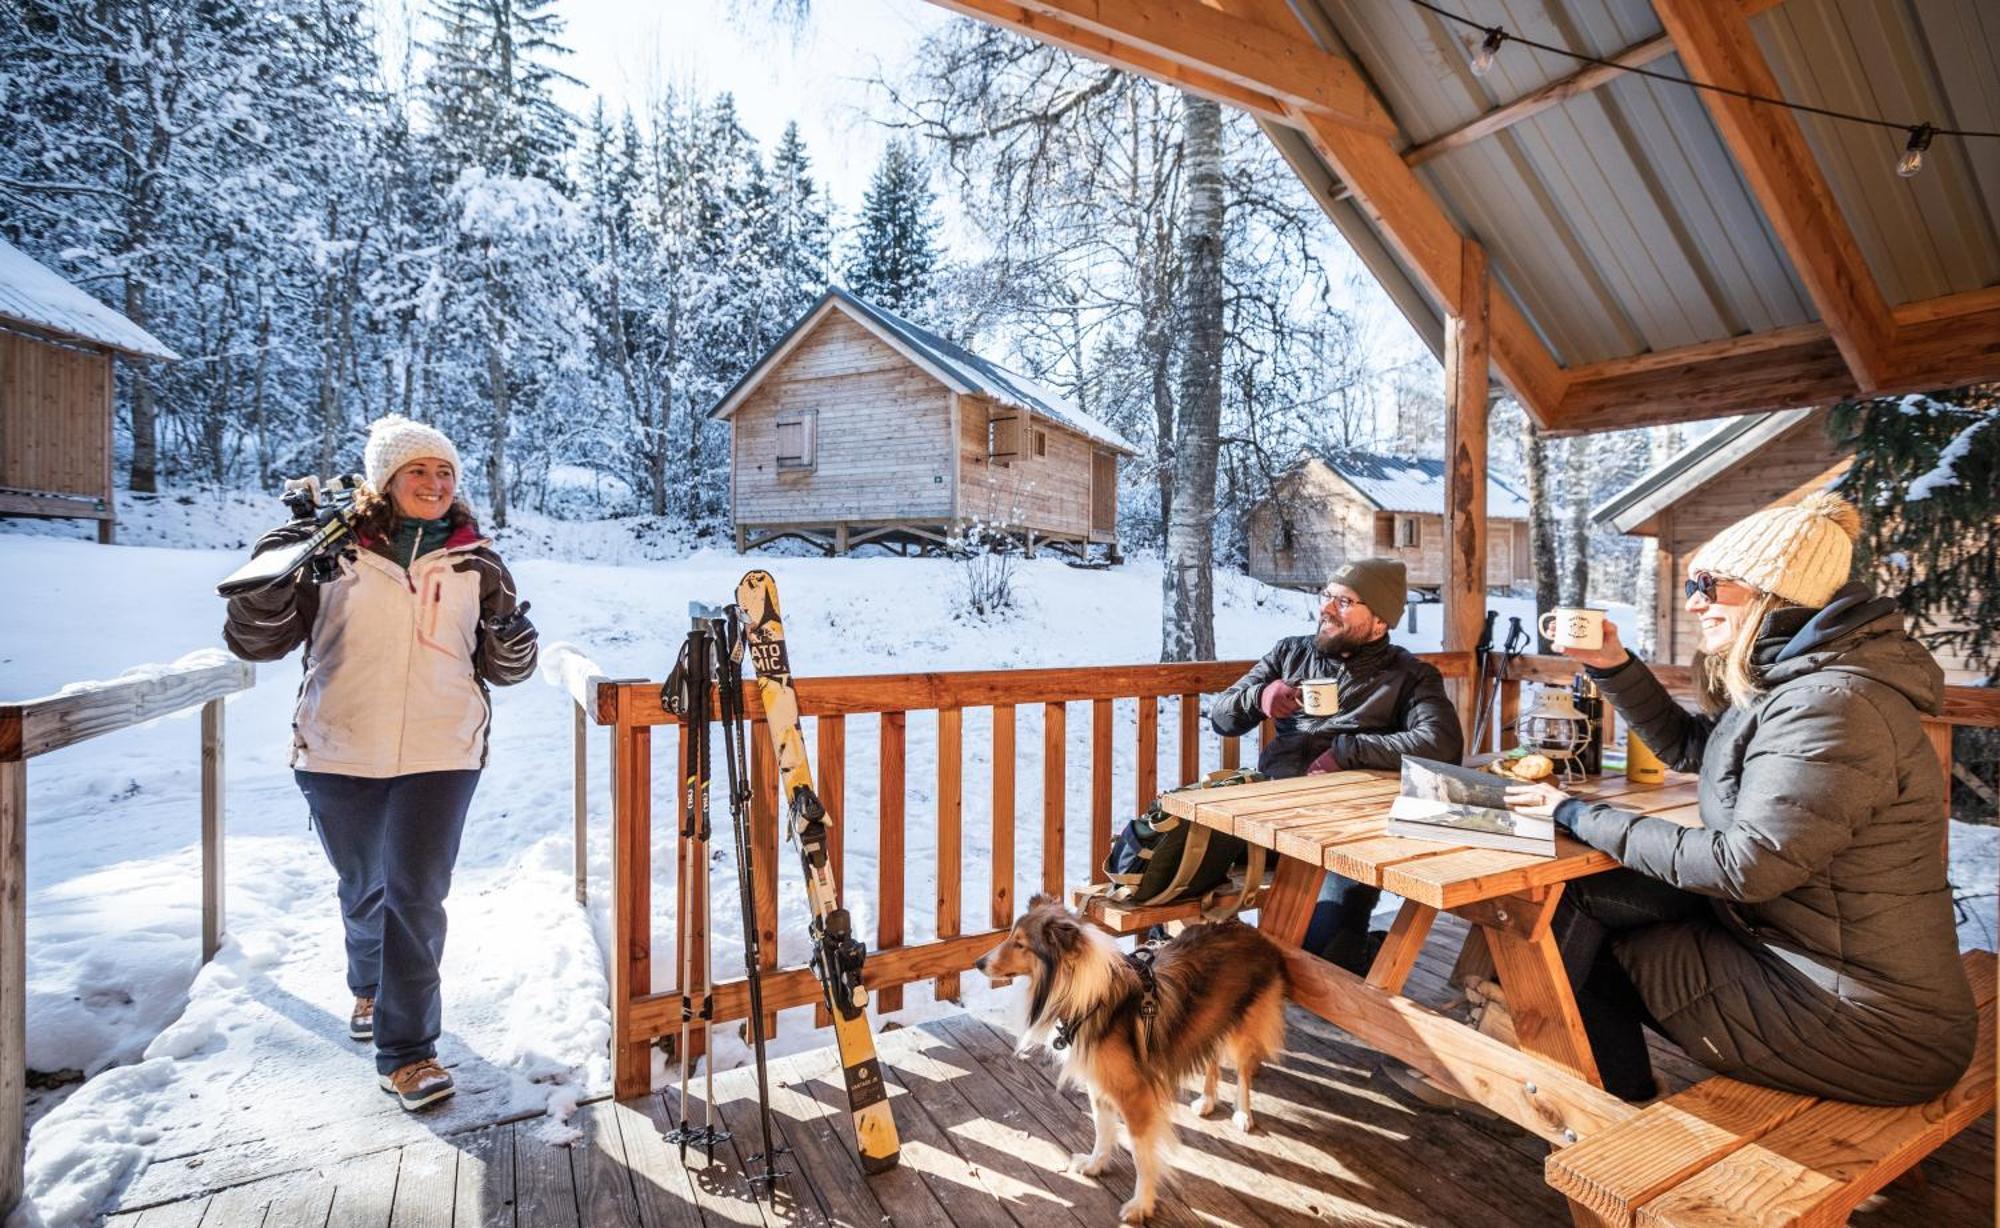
x=393 y=841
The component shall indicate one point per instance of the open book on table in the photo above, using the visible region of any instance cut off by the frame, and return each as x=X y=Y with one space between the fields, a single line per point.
x=1441 y=801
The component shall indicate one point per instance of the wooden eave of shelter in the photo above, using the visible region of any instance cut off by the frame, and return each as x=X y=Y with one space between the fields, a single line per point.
x=1287 y=63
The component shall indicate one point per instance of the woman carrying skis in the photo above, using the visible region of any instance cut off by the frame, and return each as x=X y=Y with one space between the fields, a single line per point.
x=390 y=731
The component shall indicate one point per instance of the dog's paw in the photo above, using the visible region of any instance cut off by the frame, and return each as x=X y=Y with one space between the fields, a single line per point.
x=1087 y=1164
x=1135 y=1212
x=1244 y=1122
x=1204 y=1105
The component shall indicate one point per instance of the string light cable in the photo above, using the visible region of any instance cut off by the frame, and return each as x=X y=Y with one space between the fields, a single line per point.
x=1917 y=140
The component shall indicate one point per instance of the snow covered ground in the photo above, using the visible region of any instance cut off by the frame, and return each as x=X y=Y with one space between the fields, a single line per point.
x=249 y=1054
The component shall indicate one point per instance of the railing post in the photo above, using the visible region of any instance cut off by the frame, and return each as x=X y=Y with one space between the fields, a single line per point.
x=1055 y=784
x=13 y=979
x=889 y=850
x=631 y=903
x=214 y=882
x=582 y=739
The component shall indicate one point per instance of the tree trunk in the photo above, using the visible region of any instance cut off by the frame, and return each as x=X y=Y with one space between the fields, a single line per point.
x=1541 y=530
x=1661 y=444
x=1576 y=474
x=1187 y=631
x=145 y=426
x=496 y=449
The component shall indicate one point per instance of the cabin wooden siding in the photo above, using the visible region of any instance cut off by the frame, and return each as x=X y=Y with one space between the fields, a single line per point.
x=1333 y=523
x=1795 y=464
x=883 y=435
x=55 y=418
x=1050 y=494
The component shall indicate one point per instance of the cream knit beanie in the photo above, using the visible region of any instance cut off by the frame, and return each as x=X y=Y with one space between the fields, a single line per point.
x=395 y=441
x=1802 y=552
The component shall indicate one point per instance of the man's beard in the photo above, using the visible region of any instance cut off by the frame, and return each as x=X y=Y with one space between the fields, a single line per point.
x=1339 y=639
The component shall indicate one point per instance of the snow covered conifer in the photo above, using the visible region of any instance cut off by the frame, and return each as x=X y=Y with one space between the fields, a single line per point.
x=896 y=265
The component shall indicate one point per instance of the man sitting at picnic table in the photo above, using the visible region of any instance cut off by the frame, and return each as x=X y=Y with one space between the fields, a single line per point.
x=1391 y=705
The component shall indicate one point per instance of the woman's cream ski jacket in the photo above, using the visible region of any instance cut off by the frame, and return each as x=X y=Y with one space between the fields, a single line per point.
x=397 y=657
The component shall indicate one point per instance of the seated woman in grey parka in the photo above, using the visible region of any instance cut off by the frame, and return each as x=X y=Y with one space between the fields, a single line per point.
x=1803 y=936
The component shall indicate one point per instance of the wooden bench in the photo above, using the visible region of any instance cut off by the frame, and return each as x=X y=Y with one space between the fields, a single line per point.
x=1725 y=1152
x=1093 y=906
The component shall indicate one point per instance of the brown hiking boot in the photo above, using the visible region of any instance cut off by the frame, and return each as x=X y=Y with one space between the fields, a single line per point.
x=419 y=1083
x=361 y=1023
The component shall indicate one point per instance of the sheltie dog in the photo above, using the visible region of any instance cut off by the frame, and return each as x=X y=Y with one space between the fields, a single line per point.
x=1132 y=1029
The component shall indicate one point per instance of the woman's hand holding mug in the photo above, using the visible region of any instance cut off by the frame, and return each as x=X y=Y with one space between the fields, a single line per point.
x=1609 y=654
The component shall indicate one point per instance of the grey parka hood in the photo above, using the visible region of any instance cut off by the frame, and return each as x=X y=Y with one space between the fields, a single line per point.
x=1856 y=633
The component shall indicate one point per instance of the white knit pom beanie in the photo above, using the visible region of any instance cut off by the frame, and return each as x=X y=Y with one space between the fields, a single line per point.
x=1802 y=552
x=395 y=441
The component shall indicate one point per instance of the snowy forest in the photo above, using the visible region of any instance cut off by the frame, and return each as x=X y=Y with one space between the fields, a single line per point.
x=568 y=295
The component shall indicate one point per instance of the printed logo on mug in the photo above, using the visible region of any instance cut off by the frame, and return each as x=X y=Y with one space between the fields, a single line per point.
x=1574 y=627
x=1319 y=696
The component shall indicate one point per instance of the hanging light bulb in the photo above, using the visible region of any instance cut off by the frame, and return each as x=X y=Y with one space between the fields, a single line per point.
x=1912 y=160
x=1482 y=59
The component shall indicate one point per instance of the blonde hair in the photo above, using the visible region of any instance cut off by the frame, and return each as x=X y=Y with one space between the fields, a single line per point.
x=1731 y=677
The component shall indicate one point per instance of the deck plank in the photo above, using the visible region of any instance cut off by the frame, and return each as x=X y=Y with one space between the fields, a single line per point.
x=544 y=1182
x=426 y=1185
x=663 y=1190
x=245 y=1206
x=604 y=1194
x=364 y=1190
x=796 y=1199
x=483 y=1194
x=808 y=1097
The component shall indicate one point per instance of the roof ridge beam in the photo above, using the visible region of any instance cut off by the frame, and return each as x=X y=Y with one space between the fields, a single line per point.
x=1533 y=103
x=1716 y=44
x=1247 y=54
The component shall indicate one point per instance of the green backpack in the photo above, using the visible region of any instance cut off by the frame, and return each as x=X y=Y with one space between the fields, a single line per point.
x=1160 y=858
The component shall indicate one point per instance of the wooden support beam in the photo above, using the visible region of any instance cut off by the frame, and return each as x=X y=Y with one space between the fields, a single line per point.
x=1466 y=350
x=13 y=980
x=1782 y=369
x=214 y=914
x=631 y=903
x=1248 y=54
x=1716 y=44
x=1535 y=102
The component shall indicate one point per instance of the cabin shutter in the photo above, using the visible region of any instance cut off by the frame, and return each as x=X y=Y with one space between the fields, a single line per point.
x=1005 y=428
x=1385 y=532
x=1406 y=533
x=1041 y=444
x=798 y=442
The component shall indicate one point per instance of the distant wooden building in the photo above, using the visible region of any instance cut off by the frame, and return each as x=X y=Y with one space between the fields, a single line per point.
x=1743 y=466
x=56 y=350
x=860 y=426
x=1327 y=510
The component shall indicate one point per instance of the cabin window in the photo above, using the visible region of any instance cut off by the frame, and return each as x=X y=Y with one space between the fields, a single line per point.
x=1041 y=444
x=798 y=442
x=1406 y=532
x=1003 y=435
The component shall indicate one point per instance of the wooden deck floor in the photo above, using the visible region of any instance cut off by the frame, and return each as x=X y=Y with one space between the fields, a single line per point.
x=986 y=1138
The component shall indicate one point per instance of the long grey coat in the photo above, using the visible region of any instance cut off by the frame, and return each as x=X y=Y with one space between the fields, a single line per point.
x=1831 y=966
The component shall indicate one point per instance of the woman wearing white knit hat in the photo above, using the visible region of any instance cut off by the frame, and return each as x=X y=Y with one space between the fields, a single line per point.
x=390 y=730
x=1803 y=936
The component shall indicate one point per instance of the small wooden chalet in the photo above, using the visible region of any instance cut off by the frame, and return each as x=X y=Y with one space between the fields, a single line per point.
x=1749 y=463
x=860 y=426
x=1326 y=510
x=57 y=345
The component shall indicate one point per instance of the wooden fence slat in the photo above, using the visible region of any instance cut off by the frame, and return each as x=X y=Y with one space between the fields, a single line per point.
x=950 y=836
x=1232 y=753
x=889 y=856
x=691 y=919
x=1102 y=767
x=1147 y=786
x=631 y=904
x=830 y=733
x=214 y=878
x=1055 y=736
x=764 y=821
x=1003 y=816
x=1190 y=730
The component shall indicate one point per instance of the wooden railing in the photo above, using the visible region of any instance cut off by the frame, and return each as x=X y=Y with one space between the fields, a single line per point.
x=632 y=710
x=37 y=726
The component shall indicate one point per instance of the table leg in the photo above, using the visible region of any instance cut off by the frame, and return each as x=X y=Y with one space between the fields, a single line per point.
x=1546 y=1020
x=1400 y=949
x=1287 y=908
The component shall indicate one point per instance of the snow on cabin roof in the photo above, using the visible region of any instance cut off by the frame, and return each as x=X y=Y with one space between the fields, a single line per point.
x=957 y=366
x=1416 y=484
x=33 y=294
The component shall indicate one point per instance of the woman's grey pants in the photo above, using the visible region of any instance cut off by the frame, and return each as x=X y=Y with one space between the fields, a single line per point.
x=393 y=842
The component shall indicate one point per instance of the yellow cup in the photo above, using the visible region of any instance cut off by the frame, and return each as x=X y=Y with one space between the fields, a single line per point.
x=1642 y=766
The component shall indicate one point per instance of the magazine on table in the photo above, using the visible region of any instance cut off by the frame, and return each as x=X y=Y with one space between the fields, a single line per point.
x=1441 y=801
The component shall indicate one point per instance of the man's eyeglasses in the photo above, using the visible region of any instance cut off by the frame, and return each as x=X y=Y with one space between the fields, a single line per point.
x=1341 y=603
x=1701 y=582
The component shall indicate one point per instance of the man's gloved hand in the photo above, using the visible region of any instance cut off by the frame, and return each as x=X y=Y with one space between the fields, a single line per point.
x=1279 y=699
x=1326 y=762
x=512 y=628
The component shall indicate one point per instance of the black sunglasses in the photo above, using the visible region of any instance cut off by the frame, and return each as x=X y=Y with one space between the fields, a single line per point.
x=1701 y=582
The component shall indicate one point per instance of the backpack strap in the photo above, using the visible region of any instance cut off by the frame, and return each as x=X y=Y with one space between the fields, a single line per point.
x=1253 y=888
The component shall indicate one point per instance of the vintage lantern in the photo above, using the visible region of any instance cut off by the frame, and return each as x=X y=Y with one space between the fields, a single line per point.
x=1554 y=727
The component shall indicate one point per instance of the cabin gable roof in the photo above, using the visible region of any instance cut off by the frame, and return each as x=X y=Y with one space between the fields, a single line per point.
x=1632 y=509
x=1413 y=485
x=37 y=297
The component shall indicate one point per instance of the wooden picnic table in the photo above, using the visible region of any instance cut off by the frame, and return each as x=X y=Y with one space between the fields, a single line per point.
x=1336 y=822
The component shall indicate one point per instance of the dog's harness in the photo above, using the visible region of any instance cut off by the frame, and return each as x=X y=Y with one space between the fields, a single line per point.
x=1141 y=962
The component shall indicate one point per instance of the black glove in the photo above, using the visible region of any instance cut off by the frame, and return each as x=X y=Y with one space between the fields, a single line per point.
x=513 y=628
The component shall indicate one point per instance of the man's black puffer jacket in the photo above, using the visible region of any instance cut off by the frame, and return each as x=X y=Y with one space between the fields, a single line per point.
x=1391 y=705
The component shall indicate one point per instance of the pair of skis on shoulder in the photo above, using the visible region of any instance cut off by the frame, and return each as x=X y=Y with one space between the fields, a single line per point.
x=716 y=646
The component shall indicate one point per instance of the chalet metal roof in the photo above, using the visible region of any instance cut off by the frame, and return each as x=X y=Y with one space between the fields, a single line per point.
x=957 y=367
x=1415 y=484
x=33 y=294
x=1715 y=453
